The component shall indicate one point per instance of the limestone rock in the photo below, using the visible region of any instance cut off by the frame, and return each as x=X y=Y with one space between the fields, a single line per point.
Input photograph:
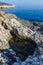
x=25 y=38
x=4 y=38
x=18 y=29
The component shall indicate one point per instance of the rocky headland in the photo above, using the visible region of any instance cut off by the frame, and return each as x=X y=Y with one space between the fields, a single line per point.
x=19 y=39
x=6 y=6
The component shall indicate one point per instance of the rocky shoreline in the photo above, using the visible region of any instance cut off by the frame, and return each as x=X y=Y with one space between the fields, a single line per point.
x=18 y=38
x=6 y=7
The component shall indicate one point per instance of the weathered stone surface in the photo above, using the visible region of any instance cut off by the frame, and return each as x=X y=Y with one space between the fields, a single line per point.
x=25 y=37
x=5 y=36
x=7 y=57
x=20 y=30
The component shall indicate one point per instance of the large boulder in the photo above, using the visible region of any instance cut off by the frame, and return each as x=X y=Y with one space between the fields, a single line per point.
x=18 y=29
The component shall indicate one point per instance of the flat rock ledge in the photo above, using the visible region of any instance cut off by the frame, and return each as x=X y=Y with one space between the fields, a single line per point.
x=18 y=36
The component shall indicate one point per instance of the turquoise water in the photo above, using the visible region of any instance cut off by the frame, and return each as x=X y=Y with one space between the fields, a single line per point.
x=27 y=14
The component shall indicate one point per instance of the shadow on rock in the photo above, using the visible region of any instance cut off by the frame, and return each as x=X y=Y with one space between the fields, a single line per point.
x=23 y=48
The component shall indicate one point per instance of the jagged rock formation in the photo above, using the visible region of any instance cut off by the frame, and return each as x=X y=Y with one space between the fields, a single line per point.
x=15 y=34
x=20 y=30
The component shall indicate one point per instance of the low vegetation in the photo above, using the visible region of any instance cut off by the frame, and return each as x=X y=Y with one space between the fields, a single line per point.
x=2 y=3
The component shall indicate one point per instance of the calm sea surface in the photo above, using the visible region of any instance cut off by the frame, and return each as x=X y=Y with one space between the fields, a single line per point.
x=27 y=14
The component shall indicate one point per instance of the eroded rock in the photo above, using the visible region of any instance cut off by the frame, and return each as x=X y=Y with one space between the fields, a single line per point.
x=5 y=36
x=24 y=41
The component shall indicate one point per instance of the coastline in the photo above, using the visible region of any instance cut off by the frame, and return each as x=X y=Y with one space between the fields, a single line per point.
x=21 y=33
x=6 y=6
x=19 y=39
x=33 y=26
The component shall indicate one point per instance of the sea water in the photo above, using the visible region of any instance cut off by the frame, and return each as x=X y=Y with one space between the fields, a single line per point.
x=26 y=13
x=32 y=15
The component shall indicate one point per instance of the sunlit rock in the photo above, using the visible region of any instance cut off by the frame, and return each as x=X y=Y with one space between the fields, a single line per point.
x=5 y=36
x=20 y=37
